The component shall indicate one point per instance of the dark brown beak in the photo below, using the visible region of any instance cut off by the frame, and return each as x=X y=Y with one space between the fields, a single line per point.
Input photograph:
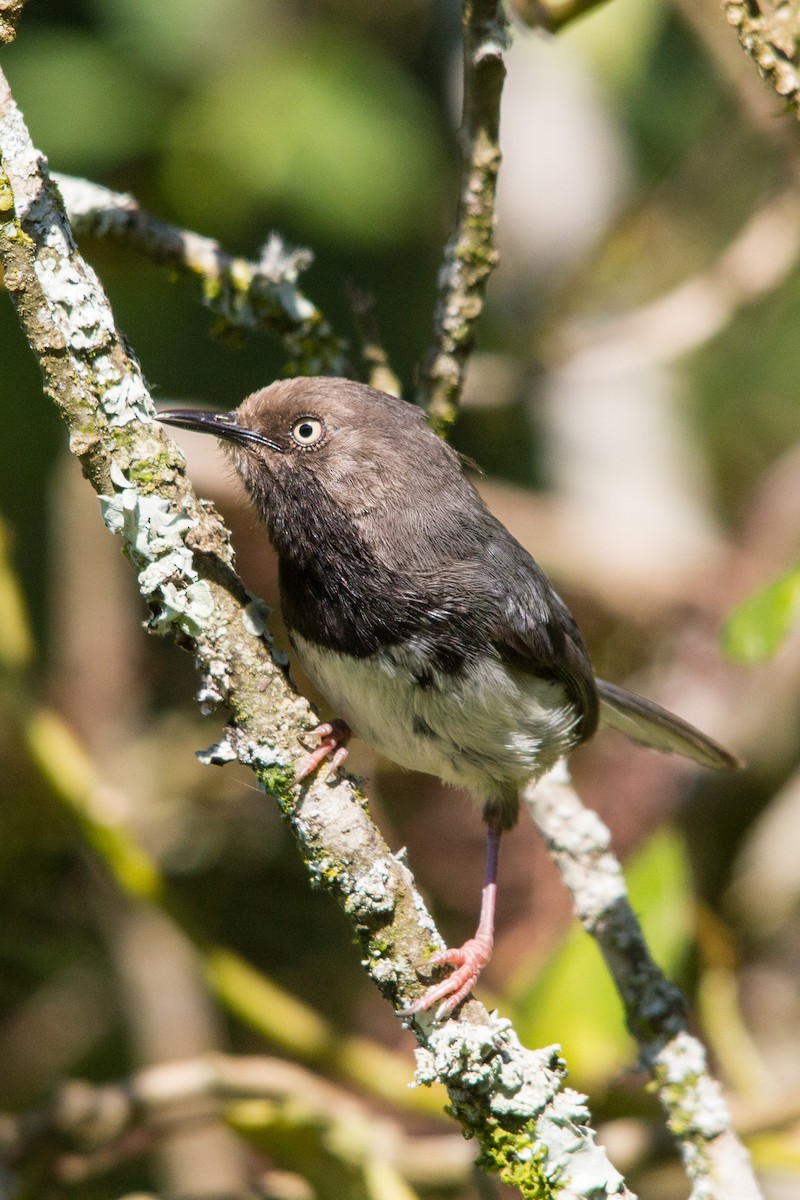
x=221 y=425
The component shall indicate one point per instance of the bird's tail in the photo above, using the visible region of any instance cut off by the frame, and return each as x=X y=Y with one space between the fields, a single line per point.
x=648 y=723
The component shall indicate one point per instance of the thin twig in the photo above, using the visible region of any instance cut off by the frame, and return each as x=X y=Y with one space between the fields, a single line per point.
x=260 y=296
x=470 y=254
x=530 y=1128
x=579 y=842
x=379 y=373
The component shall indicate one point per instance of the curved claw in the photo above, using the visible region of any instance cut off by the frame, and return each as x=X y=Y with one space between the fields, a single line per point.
x=335 y=736
x=469 y=960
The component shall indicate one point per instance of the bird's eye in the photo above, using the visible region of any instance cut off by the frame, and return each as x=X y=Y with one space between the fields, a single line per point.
x=308 y=431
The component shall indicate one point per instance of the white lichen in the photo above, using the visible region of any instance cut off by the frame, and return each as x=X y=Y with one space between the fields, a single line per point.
x=383 y=970
x=489 y=1059
x=569 y=1157
x=268 y=756
x=374 y=893
x=153 y=531
x=254 y=617
x=126 y=399
x=187 y=607
x=214 y=688
x=699 y=1106
x=74 y=293
x=217 y=755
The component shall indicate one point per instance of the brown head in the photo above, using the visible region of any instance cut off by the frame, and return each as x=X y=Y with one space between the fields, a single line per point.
x=367 y=451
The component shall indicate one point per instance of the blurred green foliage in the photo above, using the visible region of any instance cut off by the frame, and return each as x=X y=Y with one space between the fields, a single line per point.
x=95 y=126
x=756 y=629
x=326 y=126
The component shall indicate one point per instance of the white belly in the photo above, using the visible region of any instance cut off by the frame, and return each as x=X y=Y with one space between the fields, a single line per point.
x=489 y=730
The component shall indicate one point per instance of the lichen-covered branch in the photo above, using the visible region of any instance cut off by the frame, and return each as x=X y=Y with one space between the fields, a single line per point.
x=579 y=843
x=770 y=33
x=529 y=1127
x=470 y=254
x=247 y=296
x=10 y=12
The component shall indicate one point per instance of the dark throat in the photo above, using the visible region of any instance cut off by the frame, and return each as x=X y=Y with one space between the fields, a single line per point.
x=334 y=589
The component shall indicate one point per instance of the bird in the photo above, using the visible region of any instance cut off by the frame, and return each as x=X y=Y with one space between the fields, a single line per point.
x=433 y=634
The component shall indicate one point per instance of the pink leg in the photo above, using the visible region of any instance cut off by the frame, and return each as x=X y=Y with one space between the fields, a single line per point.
x=469 y=959
x=335 y=736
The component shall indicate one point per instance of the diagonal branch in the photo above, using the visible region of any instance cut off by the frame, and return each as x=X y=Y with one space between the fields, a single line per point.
x=248 y=296
x=655 y=1012
x=530 y=1128
x=470 y=254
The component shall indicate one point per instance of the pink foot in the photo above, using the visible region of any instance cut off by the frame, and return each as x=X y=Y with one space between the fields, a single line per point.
x=335 y=736
x=469 y=960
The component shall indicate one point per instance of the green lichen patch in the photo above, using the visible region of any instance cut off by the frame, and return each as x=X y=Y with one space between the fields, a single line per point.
x=513 y=1156
x=279 y=783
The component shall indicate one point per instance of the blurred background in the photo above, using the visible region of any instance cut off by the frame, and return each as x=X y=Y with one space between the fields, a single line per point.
x=634 y=406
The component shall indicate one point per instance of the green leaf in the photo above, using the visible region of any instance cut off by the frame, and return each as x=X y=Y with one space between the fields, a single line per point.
x=755 y=630
x=573 y=1001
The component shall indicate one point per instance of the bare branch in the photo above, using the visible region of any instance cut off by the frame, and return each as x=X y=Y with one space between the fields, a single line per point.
x=579 y=842
x=259 y=296
x=470 y=254
x=529 y=1127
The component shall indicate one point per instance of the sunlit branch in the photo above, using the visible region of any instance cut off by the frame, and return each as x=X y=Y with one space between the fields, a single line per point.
x=470 y=254
x=258 y=296
x=579 y=844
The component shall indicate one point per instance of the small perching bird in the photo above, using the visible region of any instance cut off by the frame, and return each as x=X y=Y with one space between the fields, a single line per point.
x=432 y=633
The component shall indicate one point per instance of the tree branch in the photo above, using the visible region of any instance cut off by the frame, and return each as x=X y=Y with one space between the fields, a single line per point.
x=529 y=1127
x=261 y=296
x=769 y=33
x=579 y=842
x=470 y=254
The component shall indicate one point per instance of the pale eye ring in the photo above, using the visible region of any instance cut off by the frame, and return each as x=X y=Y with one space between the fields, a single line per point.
x=307 y=431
